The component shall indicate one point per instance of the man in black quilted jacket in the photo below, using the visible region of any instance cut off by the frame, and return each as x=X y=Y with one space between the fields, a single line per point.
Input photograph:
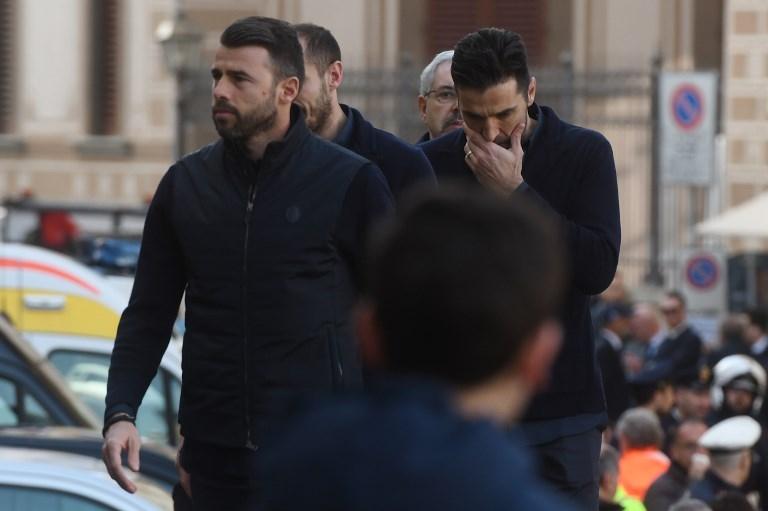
x=263 y=231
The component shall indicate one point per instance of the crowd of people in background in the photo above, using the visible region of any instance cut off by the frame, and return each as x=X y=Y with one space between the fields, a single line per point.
x=687 y=424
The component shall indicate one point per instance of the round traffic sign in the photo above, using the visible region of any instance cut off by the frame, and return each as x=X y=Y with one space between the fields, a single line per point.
x=687 y=106
x=702 y=271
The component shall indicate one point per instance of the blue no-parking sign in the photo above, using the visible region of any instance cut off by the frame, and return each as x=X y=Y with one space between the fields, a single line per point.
x=703 y=279
x=687 y=107
x=702 y=271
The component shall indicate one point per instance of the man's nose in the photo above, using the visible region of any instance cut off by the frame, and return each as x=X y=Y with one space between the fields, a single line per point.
x=490 y=130
x=220 y=89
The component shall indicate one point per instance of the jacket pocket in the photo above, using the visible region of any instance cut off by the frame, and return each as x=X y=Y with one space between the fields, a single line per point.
x=335 y=359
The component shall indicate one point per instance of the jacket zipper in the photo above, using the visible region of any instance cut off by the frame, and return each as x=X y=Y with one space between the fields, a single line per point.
x=252 y=188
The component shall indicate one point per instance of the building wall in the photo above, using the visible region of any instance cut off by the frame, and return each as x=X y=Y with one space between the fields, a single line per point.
x=49 y=150
x=745 y=97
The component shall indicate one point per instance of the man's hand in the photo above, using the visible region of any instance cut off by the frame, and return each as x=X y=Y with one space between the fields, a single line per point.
x=121 y=436
x=495 y=167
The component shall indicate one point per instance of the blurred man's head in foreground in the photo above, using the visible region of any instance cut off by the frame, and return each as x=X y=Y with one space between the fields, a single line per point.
x=462 y=288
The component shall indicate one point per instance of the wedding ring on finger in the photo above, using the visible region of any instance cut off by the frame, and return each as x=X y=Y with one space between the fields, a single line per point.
x=468 y=155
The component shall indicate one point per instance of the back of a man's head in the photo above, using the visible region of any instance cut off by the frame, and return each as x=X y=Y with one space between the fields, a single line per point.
x=320 y=47
x=459 y=280
x=638 y=428
x=276 y=36
x=489 y=57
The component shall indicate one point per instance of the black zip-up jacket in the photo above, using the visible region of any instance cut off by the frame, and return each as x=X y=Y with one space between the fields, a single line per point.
x=266 y=253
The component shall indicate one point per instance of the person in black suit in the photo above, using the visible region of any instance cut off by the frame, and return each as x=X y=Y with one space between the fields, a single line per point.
x=608 y=346
x=681 y=349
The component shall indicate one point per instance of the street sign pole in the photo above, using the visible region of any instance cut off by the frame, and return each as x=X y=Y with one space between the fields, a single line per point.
x=654 y=276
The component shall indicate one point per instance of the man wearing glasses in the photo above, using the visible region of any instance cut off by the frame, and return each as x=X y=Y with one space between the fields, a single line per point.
x=681 y=349
x=438 y=105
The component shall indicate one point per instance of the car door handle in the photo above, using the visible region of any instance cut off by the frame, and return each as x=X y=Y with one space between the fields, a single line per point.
x=45 y=302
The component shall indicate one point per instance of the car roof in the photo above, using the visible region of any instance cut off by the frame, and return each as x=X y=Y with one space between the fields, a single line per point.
x=48 y=342
x=77 y=475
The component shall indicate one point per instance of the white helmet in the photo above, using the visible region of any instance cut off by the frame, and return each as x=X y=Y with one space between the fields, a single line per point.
x=733 y=367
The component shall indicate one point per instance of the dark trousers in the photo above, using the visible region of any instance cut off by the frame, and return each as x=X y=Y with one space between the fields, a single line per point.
x=221 y=477
x=570 y=464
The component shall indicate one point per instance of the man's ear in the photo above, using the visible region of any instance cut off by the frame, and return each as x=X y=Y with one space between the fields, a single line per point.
x=532 y=91
x=288 y=90
x=334 y=75
x=422 y=104
x=538 y=353
x=369 y=335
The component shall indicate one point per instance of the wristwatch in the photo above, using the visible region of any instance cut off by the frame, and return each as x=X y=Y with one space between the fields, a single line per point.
x=118 y=417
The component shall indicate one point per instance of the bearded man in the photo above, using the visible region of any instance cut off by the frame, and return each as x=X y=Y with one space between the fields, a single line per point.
x=262 y=229
x=401 y=163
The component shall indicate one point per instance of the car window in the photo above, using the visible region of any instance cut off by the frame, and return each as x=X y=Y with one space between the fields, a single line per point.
x=86 y=374
x=19 y=408
x=7 y=400
x=22 y=498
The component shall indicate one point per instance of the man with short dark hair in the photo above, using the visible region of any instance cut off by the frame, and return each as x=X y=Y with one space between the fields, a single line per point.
x=681 y=348
x=458 y=355
x=684 y=453
x=437 y=101
x=262 y=232
x=653 y=391
x=609 y=345
x=402 y=164
x=516 y=148
x=692 y=398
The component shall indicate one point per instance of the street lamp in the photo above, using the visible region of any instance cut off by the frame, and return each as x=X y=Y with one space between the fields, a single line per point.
x=181 y=41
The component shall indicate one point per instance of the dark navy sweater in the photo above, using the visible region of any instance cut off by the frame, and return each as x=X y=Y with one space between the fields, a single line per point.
x=570 y=172
x=402 y=164
x=401 y=446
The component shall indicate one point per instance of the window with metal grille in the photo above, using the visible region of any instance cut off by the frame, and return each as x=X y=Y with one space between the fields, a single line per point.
x=104 y=67
x=8 y=60
x=450 y=20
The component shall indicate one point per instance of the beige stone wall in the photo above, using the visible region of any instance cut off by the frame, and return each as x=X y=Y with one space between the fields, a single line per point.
x=46 y=152
x=50 y=153
x=745 y=97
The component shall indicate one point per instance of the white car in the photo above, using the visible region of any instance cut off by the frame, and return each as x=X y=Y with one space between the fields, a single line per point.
x=40 y=480
x=84 y=365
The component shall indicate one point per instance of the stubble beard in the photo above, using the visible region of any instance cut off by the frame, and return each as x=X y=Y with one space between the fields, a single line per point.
x=321 y=111
x=246 y=126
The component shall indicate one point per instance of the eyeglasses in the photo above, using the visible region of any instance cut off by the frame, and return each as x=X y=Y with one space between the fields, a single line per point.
x=671 y=310
x=444 y=95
